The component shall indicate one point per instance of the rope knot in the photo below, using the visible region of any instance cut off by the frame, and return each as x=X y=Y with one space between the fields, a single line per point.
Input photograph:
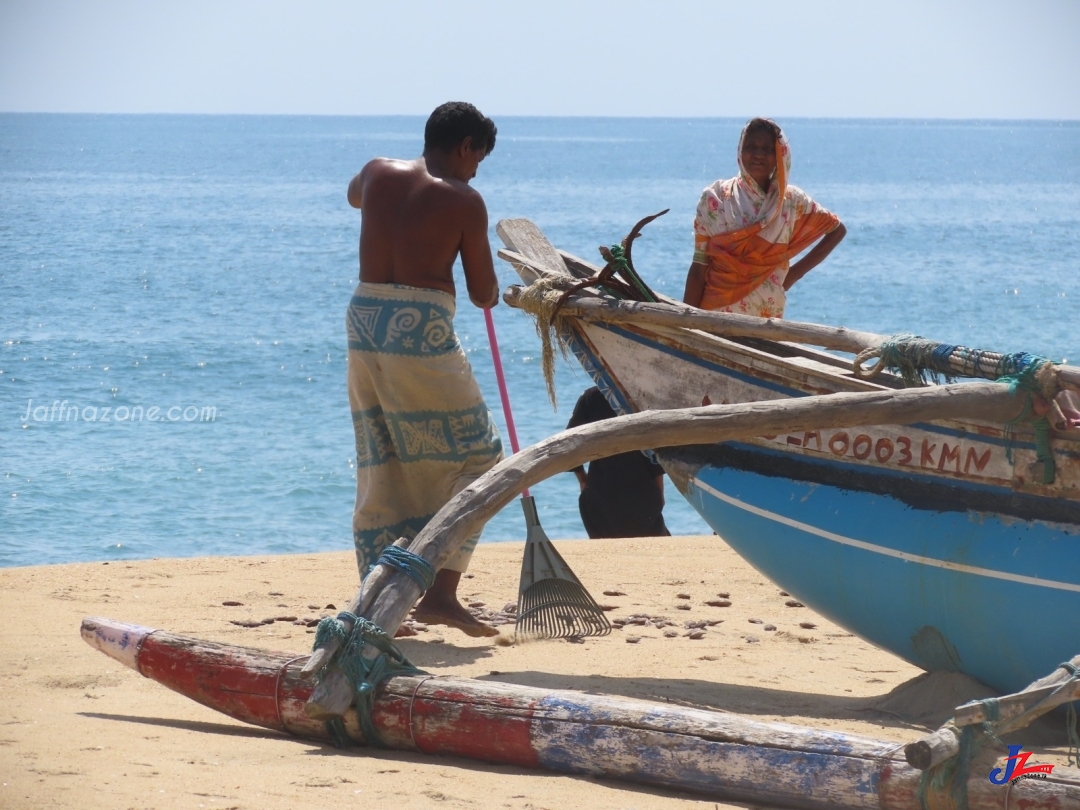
x=363 y=674
x=416 y=567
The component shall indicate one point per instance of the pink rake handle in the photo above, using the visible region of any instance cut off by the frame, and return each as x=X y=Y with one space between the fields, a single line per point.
x=503 y=393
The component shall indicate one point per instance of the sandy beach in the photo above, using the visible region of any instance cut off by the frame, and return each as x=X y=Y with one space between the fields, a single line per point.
x=79 y=730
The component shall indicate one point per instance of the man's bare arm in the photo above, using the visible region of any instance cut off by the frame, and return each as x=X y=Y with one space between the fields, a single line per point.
x=356 y=187
x=579 y=473
x=476 y=259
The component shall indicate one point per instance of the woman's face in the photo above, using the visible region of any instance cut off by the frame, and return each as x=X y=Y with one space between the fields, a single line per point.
x=759 y=157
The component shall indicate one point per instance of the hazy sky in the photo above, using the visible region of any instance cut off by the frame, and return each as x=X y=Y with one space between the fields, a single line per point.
x=887 y=58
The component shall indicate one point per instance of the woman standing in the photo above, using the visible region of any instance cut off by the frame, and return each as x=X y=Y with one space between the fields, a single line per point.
x=748 y=229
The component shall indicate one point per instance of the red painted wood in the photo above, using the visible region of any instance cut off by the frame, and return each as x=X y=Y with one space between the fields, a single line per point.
x=233 y=680
x=447 y=722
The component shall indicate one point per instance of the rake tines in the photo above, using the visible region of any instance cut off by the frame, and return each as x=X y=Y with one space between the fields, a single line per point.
x=556 y=608
x=552 y=602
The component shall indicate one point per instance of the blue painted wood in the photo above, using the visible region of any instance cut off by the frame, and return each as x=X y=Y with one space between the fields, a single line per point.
x=1009 y=615
x=577 y=736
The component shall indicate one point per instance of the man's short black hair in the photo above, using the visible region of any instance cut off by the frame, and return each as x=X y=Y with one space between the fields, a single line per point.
x=453 y=122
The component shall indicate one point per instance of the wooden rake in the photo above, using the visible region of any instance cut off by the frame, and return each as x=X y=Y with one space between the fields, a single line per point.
x=552 y=602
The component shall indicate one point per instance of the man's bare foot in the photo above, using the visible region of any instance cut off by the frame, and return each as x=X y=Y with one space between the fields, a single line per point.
x=440 y=605
x=460 y=619
x=404 y=631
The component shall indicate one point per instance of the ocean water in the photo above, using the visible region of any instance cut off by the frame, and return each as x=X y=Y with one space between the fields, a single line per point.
x=201 y=265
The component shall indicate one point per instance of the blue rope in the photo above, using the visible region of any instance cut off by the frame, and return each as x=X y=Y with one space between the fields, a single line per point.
x=420 y=570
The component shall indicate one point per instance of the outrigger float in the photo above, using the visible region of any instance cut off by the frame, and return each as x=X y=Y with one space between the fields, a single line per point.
x=724 y=756
x=355 y=687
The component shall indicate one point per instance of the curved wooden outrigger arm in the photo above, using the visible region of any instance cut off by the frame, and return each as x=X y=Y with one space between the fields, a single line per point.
x=386 y=595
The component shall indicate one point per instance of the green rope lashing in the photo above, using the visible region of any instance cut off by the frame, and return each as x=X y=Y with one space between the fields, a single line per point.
x=952 y=774
x=1074 y=735
x=910 y=356
x=418 y=569
x=917 y=360
x=363 y=674
x=1020 y=371
x=1043 y=453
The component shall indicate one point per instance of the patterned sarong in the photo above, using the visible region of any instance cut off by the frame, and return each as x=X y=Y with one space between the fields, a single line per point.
x=423 y=432
x=746 y=237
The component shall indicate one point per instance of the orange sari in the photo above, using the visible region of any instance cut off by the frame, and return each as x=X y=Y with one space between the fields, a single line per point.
x=746 y=238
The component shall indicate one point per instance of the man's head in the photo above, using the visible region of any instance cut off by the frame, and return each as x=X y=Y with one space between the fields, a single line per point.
x=451 y=123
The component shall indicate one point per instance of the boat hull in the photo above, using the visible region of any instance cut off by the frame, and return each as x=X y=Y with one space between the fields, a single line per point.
x=930 y=499
x=996 y=598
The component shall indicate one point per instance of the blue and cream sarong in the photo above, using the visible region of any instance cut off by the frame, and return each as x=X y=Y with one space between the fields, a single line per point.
x=423 y=432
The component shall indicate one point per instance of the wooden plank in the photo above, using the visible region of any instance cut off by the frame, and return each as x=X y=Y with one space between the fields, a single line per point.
x=578 y=267
x=524 y=237
x=1018 y=705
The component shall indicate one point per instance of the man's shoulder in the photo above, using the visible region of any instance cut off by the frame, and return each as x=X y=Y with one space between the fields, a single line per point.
x=380 y=166
x=462 y=190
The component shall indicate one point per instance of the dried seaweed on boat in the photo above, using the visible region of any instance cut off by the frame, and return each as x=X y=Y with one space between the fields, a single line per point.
x=540 y=300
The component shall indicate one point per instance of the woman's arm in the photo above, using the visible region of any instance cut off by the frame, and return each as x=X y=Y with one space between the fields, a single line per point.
x=695 y=284
x=816 y=255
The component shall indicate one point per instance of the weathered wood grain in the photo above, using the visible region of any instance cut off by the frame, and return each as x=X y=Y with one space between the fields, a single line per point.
x=1018 y=707
x=530 y=242
x=373 y=584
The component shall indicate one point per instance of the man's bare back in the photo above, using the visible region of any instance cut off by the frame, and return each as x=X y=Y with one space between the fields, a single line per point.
x=418 y=215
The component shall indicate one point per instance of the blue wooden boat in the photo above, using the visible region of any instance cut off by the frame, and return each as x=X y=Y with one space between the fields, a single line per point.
x=944 y=542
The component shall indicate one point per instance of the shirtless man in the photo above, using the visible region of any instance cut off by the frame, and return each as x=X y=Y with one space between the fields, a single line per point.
x=418 y=216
